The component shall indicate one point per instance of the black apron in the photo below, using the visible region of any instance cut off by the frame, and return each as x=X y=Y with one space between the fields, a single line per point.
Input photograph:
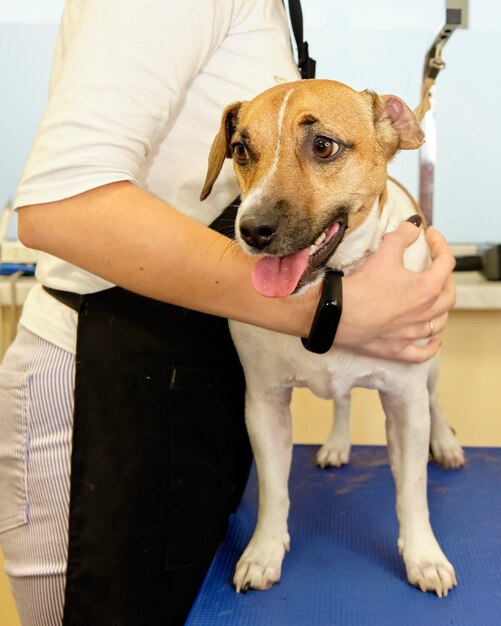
x=160 y=457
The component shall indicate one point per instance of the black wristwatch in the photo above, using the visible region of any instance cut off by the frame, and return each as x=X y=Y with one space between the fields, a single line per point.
x=328 y=313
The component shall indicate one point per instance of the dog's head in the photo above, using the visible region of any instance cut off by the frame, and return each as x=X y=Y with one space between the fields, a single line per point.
x=310 y=158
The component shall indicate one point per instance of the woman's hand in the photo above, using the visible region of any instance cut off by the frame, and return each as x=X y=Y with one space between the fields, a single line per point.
x=388 y=307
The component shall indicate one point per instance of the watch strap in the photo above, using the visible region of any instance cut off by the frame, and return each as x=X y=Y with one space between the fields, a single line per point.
x=327 y=315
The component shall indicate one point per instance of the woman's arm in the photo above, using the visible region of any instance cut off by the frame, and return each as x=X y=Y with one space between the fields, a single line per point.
x=125 y=235
x=129 y=237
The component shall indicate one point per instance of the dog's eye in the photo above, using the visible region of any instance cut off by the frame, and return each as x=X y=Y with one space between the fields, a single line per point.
x=240 y=152
x=323 y=147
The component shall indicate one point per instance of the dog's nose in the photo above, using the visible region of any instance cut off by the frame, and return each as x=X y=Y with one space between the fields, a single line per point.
x=258 y=233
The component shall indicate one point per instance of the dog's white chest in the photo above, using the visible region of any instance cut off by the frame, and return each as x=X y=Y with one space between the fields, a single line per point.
x=273 y=361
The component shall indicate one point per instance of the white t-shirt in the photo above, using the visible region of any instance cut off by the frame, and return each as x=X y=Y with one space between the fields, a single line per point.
x=137 y=93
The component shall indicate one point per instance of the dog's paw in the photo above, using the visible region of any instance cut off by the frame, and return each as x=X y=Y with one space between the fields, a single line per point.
x=333 y=455
x=445 y=449
x=430 y=572
x=260 y=566
x=450 y=458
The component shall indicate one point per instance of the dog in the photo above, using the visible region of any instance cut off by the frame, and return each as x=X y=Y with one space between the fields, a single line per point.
x=310 y=158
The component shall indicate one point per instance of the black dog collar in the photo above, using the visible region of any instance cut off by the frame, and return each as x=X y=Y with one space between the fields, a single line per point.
x=328 y=313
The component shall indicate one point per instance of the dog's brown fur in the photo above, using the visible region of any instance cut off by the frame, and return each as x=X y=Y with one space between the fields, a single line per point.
x=372 y=127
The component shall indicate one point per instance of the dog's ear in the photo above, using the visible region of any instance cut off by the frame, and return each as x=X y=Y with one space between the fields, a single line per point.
x=396 y=125
x=220 y=149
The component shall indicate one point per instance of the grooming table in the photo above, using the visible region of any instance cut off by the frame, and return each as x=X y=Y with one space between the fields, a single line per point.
x=344 y=569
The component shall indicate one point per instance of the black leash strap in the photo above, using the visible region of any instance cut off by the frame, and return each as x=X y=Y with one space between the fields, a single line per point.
x=305 y=63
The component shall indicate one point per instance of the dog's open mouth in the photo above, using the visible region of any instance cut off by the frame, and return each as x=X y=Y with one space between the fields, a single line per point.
x=277 y=277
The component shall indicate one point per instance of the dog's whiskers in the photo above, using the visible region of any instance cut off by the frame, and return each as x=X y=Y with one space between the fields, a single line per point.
x=231 y=247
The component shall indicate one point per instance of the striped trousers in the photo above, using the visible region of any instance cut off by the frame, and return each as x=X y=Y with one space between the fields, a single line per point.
x=36 y=424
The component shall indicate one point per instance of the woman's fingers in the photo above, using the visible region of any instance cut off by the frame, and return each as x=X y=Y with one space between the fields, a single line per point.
x=441 y=306
x=430 y=328
x=398 y=350
x=437 y=242
x=433 y=327
x=395 y=242
x=443 y=259
x=418 y=354
x=437 y=325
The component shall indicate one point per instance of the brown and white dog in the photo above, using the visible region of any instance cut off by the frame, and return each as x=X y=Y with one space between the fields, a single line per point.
x=311 y=161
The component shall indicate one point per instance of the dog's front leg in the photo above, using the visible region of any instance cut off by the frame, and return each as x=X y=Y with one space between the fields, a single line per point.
x=445 y=448
x=269 y=426
x=336 y=450
x=408 y=432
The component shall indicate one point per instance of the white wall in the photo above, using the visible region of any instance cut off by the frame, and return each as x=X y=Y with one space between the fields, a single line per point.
x=377 y=44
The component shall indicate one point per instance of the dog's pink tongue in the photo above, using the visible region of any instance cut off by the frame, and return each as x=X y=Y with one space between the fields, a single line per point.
x=277 y=277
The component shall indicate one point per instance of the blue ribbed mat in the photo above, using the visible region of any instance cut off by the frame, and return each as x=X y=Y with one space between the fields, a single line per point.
x=343 y=568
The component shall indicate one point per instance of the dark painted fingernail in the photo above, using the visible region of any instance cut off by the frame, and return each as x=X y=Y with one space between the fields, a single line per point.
x=416 y=220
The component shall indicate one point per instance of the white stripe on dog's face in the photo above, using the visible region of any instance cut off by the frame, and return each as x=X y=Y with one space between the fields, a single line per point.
x=280 y=123
x=256 y=193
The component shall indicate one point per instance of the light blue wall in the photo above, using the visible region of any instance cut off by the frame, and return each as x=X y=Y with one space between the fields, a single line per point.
x=25 y=61
x=28 y=31
x=377 y=44
x=381 y=44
